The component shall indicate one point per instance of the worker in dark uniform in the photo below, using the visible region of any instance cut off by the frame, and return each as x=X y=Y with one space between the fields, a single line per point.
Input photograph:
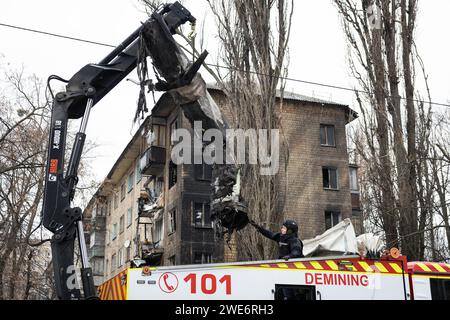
x=289 y=246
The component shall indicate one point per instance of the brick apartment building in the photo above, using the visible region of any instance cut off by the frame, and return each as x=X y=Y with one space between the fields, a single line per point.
x=321 y=187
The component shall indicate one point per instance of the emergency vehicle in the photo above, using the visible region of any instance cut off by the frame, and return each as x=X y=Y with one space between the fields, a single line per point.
x=325 y=278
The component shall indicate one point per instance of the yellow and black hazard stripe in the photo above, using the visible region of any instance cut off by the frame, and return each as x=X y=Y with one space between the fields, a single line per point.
x=353 y=265
x=115 y=288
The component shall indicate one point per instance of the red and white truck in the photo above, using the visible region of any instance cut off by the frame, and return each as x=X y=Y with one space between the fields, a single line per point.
x=325 y=278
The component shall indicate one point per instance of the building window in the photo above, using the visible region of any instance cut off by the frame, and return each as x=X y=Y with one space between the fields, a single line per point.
x=92 y=240
x=201 y=215
x=172 y=221
x=122 y=192
x=332 y=218
x=172 y=260
x=97 y=266
x=159 y=136
x=158 y=232
x=116 y=200
x=122 y=224
x=130 y=182
x=202 y=258
x=138 y=173
x=330 y=178
x=327 y=135
x=114 y=232
x=173 y=128
x=172 y=175
x=354 y=188
x=120 y=260
x=203 y=172
x=113 y=263
x=128 y=254
x=129 y=217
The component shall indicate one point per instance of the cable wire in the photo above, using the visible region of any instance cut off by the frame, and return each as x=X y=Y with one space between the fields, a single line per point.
x=230 y=68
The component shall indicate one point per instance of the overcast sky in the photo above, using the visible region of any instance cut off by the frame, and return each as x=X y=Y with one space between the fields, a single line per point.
x=317 y=53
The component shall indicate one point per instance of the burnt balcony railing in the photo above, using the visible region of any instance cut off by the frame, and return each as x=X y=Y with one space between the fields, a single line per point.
x=153 y=161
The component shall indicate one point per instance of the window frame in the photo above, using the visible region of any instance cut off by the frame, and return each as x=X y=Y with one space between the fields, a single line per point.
x=206 y=258
x=173 y=175
x=332 y=214
x=122 y=224
x=330 y=188
x=123 y=193
x=172 y=221
x=130 y=182
x=203 y=224
x=129 y=217
x=327 y=143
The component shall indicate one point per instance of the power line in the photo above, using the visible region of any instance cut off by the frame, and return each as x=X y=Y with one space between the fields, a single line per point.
x=56 y=35
x=225 y=67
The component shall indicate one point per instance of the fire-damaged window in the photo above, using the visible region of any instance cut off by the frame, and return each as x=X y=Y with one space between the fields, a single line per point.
x=332 y=218
x=203 y=172
x=201 y=215
x=327 y=136
x=172 y=221
x=172 y=174
x=330 y=178
x=202 y=258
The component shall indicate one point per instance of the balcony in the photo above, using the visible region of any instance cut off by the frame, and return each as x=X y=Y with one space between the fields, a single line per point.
x=153 y=161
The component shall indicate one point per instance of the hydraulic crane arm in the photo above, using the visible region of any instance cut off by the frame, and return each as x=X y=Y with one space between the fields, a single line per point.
x=86 y=88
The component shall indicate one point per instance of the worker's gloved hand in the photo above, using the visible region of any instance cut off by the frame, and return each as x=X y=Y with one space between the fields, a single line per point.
x=286 y=258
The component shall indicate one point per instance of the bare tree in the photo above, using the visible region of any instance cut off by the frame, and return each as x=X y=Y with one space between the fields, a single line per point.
x=24 y=127
x=395 y=143
x=254 y=36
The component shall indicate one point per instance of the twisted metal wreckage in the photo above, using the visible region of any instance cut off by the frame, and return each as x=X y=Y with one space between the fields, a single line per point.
x=154 y=39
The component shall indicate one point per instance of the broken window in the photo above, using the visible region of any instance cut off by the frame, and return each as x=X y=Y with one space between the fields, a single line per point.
x=172 y=221
x=202 y=215
x=327 y=136
x=203 y=172
x=330 y=178
x=202 y=258
x=172 y=174
x=332 y=218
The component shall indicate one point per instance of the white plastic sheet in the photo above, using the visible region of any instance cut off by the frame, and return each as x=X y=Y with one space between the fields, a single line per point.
x=339 y=240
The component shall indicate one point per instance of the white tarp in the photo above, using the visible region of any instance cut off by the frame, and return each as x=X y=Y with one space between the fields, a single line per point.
x=338 y=240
